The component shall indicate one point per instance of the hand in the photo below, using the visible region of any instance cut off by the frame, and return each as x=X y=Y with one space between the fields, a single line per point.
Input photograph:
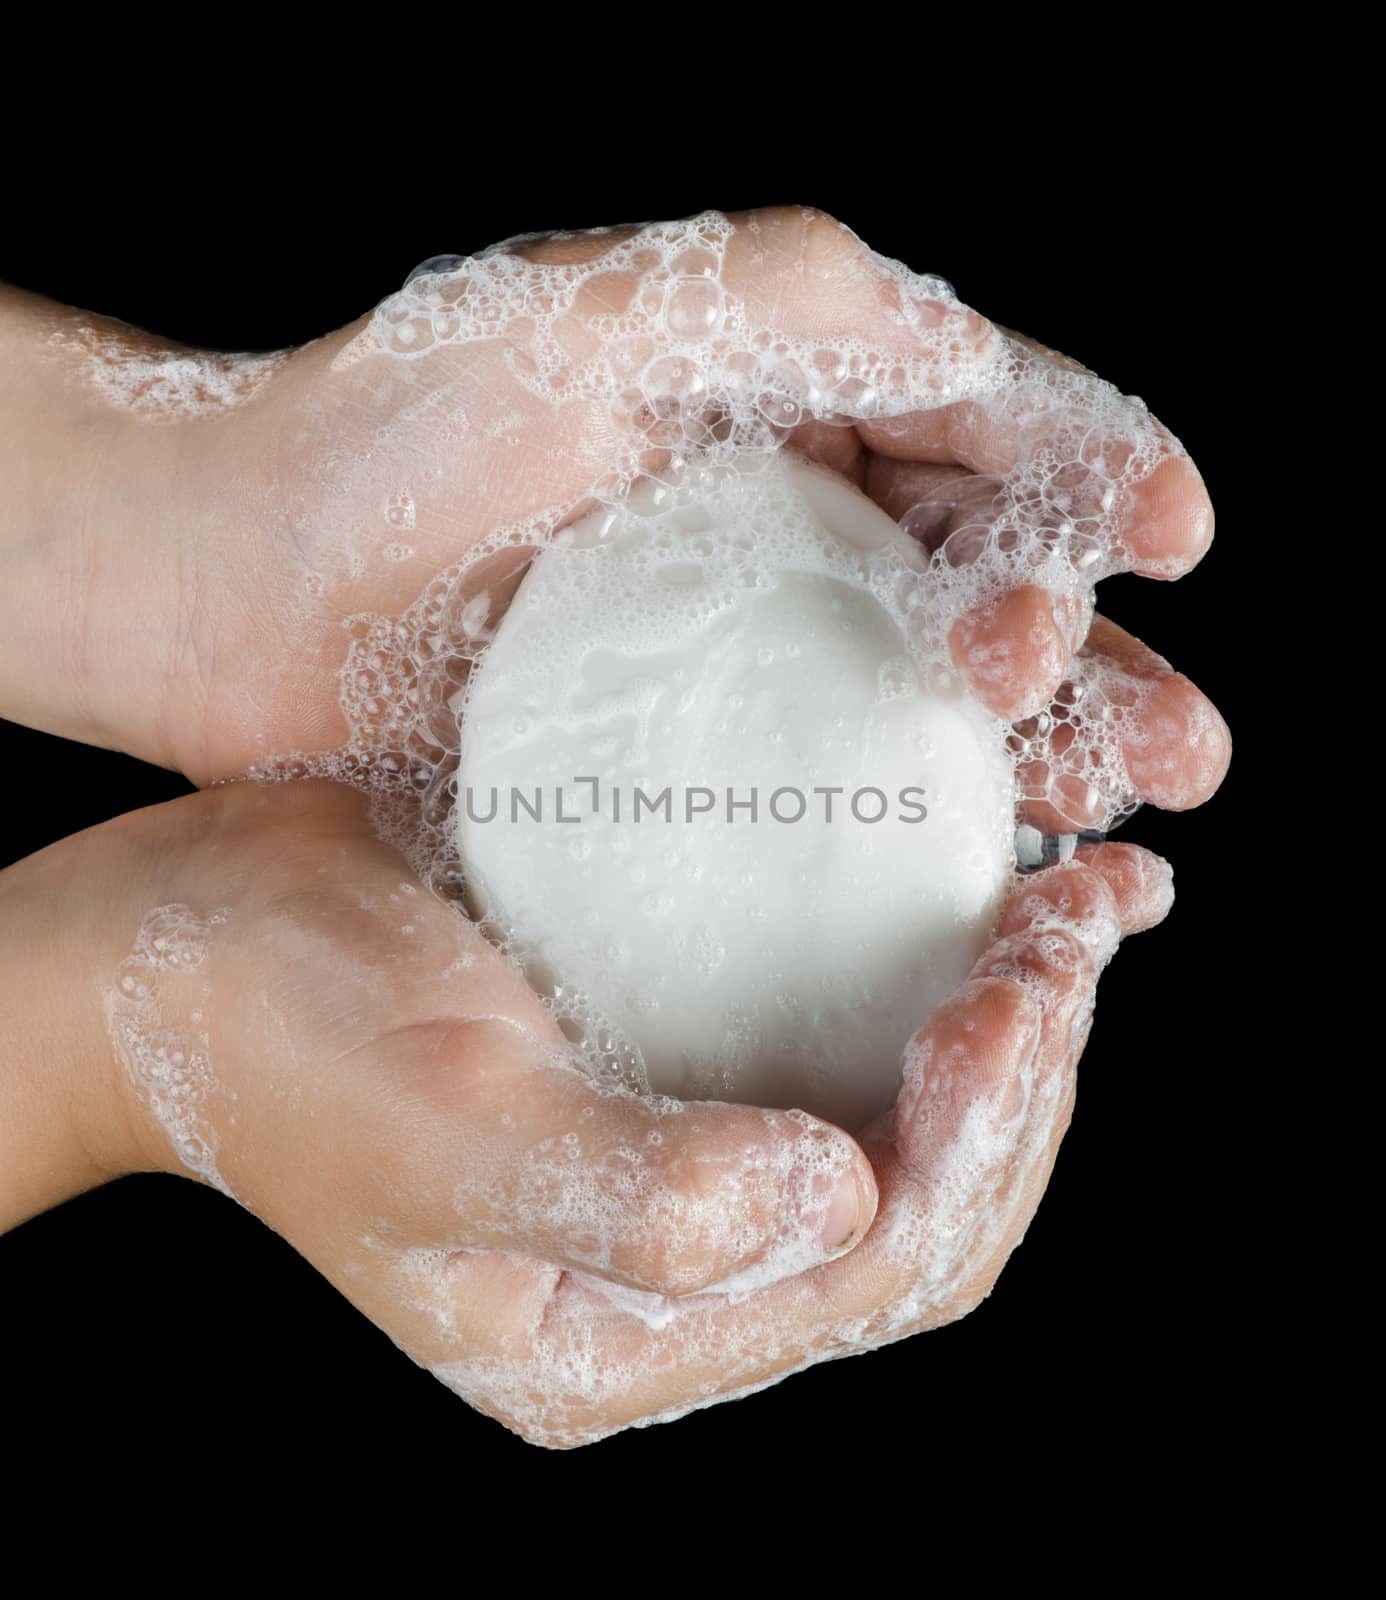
x=211 y=637
x=296 y=1021
x=184 y=595
x=300 y=1023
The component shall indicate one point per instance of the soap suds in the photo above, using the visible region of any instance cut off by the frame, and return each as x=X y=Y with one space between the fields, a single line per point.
x=158 y=1036
x=166 y=384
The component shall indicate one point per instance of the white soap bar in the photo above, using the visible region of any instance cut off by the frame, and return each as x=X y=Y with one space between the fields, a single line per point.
x=746 y=634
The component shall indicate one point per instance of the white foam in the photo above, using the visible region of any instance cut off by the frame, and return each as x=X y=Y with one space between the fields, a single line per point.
x=157 y=1037
x=123 y=369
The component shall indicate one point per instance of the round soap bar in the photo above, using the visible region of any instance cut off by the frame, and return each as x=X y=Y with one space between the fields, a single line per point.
x=719 y=806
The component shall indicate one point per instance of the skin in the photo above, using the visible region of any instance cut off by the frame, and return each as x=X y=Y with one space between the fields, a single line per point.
x=381 y=1118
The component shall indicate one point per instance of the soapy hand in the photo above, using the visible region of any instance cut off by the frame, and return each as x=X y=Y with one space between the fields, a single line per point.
x=298 y=1022
x=295 y=1020
x=270 y=501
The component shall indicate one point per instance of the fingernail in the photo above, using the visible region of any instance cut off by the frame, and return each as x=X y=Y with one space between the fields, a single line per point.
x=844 y=1212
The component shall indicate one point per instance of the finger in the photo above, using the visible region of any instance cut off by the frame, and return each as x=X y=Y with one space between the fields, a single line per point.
x=986 y=1095
x=837 y=448
x=1164 y=525
x=938 y=491
x=990 y=1088
x=1141 y=882
x=1179 y=747
x=792 y=270
x=1057 y=930
x=561 y=249
x=1071 y=898
x=973 y=1051
x=1022 y=645
x=1055 y=357
x=967 y=434
x=806 y=276
x=665 y=1196
x=1173 y=748
x=1163 y=528
x=1014 y=650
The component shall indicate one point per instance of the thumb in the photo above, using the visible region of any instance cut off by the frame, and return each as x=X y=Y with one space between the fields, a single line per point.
x=667 y=1196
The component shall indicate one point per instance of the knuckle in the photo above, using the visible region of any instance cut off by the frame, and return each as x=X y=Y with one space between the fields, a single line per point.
x=681 y=1227
x=1046 y=961
x=670 y=1266
x=810 y=237
x=572 y=249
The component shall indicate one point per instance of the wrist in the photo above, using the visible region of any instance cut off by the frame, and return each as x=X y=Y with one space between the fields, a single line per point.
x=106 y=440
x=68 y=1118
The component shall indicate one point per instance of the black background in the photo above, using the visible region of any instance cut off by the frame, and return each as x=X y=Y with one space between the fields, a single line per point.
x=1116 y=1332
